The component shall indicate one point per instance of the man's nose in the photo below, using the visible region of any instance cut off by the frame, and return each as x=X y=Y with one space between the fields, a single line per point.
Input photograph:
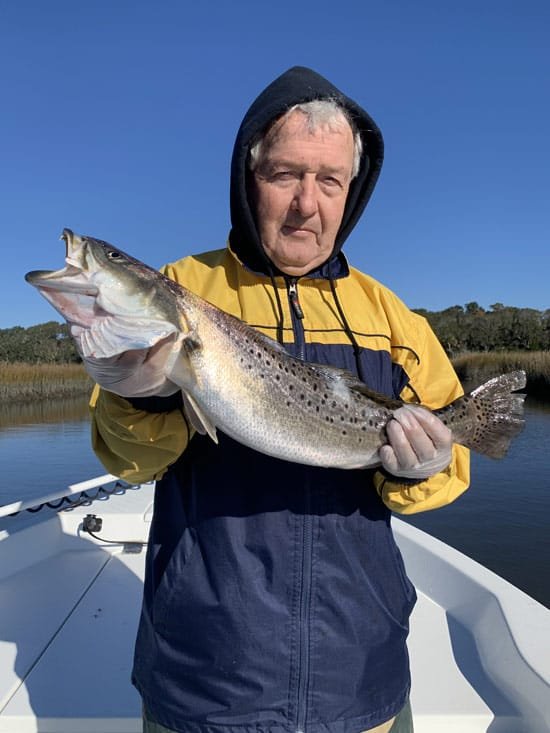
x=305 y=198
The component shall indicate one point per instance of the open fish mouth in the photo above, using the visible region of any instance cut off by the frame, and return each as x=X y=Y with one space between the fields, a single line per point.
x=91 y=293
x=70 y=279
x=73 y=278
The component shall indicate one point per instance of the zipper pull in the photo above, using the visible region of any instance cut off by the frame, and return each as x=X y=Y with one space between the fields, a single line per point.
x=294 y=300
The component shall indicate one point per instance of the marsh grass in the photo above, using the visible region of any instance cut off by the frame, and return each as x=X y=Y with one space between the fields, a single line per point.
x=475 y=368
x=20 y=382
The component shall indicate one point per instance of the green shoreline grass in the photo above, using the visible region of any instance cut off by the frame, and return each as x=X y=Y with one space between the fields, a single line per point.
x=476 y=368
x=20 y=382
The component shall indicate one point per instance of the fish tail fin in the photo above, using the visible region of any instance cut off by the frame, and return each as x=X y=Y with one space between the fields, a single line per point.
x=488 y=418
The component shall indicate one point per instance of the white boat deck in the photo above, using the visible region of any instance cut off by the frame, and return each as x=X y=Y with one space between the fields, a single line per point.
x=69 y=606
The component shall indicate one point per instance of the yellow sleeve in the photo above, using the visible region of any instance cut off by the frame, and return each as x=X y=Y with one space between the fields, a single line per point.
x=434 y=384
x=434 y=492
x=134 y=444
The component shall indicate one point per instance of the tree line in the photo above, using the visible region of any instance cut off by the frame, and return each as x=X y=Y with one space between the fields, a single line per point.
x=46 y=343
x=471 y=328
x=468 y=328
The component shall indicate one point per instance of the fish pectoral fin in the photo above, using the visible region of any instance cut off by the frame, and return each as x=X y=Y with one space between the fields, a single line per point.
x=197 y=418
x=191 y=342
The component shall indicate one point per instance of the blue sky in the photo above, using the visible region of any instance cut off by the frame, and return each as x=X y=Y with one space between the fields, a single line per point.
x=117 y=119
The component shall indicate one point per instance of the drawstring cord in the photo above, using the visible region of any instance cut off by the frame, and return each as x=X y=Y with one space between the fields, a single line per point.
x=347 y=329
x=280 y=313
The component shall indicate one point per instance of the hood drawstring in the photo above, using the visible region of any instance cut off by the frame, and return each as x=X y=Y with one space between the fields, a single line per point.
x=349 y=333
x=347 y=329
x=280 y=312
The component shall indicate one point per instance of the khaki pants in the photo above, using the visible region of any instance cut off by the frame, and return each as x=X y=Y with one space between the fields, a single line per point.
x=402 y=723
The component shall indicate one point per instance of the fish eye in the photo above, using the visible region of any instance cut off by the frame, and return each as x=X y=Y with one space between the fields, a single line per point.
x=113 y=254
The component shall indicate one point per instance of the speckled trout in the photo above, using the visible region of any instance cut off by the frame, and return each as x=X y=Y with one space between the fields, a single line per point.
x=237 y=380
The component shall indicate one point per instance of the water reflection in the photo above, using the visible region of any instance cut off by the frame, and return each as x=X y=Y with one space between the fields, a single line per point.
x=44 y=447
x=44 y=412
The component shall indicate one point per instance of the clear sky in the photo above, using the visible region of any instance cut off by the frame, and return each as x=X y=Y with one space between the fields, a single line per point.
x=117 y=119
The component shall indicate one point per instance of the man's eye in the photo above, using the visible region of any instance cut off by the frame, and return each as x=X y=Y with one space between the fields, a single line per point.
x=283 y=175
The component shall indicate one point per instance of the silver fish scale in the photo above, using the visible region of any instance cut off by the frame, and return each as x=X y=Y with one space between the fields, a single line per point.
x=253 y=390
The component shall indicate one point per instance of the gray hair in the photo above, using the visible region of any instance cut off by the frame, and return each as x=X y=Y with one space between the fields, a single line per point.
x=318 y=113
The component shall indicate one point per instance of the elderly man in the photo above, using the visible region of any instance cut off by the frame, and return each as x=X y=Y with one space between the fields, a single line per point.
x=275 y=597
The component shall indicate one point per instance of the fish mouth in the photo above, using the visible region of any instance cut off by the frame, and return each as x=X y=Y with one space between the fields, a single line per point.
x=73 y=278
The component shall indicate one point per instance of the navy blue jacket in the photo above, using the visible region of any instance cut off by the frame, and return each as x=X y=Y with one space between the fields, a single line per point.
x=275 y=597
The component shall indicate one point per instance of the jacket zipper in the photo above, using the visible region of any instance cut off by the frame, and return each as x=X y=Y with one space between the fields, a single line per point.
x=304 y=622
x=297 y=315
x=306 y=579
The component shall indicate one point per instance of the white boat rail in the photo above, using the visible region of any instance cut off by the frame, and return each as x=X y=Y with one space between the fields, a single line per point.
x=71 y=490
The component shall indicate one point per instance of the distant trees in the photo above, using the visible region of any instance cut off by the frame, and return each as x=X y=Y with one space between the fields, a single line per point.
x=47 y=343
x=501 y=328
x=467 y=328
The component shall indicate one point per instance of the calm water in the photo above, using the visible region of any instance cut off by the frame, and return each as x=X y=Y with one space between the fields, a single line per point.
x=503 y=520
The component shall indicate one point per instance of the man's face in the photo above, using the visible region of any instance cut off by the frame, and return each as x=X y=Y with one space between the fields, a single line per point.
x=300 y=185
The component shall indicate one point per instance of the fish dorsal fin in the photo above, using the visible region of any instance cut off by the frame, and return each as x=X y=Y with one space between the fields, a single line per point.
x=353 y=383
x=197 y=417
x=334 y=374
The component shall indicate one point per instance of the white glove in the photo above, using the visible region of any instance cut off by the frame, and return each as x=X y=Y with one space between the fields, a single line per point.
x=139 y=372
x=419 y=444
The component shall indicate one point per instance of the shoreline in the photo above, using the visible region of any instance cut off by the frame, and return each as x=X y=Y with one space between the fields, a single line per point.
x=23 y=383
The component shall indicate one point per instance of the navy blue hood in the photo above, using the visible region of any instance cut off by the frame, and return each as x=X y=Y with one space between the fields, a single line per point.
x=296 y=86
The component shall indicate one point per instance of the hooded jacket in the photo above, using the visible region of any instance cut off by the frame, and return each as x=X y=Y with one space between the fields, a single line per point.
x=275 y=596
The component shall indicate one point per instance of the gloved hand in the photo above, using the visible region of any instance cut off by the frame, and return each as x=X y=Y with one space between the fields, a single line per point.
x=139 y=372
x=419 y=444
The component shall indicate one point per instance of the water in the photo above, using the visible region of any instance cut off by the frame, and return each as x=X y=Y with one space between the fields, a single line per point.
x=44 y=447
x=503 y=520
